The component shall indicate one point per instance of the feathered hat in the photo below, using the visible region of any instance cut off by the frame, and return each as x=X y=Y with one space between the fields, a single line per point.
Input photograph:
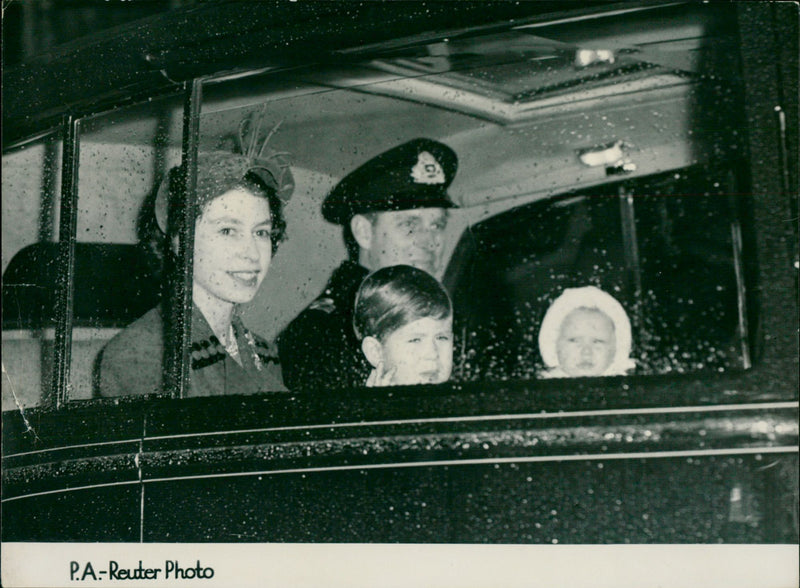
x=220 y=171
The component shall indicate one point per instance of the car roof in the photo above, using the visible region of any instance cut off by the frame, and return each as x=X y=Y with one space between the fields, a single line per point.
x=157 y=54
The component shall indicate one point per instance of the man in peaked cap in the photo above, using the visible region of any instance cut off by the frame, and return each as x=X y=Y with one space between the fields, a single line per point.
x=393 y=210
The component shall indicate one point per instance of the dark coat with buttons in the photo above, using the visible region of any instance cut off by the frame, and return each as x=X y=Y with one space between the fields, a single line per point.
x=131 y=363
x=319 y=349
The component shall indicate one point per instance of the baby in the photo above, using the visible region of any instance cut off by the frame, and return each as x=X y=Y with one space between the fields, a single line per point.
x=404 y=319
x=585 y=332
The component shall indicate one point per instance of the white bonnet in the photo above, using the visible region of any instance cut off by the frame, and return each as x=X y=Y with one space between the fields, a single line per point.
x=587 y=297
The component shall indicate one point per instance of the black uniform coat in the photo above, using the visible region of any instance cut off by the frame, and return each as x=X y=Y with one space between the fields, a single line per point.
x=319 y=349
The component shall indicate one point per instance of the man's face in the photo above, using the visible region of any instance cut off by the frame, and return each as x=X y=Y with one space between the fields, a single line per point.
x=409 y=237
x=420 y=352
x=586 y=343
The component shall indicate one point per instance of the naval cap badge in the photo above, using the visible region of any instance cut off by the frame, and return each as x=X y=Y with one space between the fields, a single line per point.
x=427 y=170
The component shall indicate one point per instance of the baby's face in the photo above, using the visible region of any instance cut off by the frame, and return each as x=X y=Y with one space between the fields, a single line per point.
x=586 y=343
x=420 y=352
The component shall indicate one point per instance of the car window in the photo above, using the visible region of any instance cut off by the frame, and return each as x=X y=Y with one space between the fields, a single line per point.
x=115 y=276
x=676 y=269
x=118 y=270
x=31 y=196
x=613 y=168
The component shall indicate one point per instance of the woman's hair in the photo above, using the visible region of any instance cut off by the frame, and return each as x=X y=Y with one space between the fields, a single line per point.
x=395 y=296
x=252 y=183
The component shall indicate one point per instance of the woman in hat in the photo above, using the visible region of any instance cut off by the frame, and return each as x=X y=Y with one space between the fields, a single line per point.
x=238 y=226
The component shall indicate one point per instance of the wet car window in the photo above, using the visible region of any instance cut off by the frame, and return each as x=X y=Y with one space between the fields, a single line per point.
x=115 y=276
x=118 y=269
x=530 y=119
x=31 y=196
x=576 y=167
x=675 y=270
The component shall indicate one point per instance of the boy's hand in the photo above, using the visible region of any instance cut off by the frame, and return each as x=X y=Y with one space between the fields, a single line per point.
x=379 y=377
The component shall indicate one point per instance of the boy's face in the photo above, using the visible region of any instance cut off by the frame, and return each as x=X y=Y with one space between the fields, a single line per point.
x=586 y=343
x=420 y=352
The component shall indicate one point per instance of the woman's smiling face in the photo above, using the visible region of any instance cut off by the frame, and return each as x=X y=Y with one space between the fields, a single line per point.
x=232 y=247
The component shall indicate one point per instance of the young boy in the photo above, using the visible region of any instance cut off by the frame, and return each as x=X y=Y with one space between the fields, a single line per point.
x=585 y=332
x=404 y=319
